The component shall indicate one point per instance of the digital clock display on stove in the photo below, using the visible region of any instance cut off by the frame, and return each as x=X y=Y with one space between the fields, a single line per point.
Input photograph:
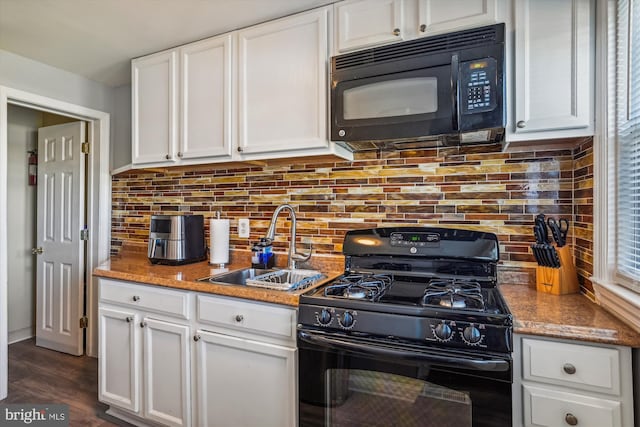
x=411 y=239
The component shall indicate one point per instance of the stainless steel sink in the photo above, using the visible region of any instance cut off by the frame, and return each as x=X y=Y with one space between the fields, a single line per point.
x=236 y=277
x=267 y=278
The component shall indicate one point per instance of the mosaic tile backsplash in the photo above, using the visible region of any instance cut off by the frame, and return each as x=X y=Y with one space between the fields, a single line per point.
x=472 y=187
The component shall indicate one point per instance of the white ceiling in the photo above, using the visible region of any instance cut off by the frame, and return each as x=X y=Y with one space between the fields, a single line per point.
x=98 y=38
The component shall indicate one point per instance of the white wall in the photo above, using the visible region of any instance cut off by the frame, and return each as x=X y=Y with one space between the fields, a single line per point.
x=121 y=146
x=22 y=136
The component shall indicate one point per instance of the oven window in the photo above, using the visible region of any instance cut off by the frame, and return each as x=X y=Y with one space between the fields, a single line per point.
x=372 y=399
x=391 y=98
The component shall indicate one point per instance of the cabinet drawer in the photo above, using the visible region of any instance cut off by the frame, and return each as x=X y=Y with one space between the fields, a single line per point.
x=545 y=407
x=254 y=317
x=147 y=298
x=580 y=366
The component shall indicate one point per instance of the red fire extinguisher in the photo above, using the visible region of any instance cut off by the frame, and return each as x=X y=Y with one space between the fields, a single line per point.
x=33 y=167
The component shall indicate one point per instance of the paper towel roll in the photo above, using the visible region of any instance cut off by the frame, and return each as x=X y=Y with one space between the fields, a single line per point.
x=218 y=241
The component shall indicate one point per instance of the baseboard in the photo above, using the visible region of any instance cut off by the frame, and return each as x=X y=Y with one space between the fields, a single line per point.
x=20 y=335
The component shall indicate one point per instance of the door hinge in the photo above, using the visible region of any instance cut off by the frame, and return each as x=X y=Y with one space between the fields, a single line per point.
x=84 y=234
x=85 y=148
x=84 y=322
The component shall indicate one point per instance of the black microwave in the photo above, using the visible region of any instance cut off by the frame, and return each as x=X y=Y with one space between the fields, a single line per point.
x=447 y=89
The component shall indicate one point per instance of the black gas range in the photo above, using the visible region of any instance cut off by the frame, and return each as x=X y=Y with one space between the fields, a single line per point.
x=413 y=301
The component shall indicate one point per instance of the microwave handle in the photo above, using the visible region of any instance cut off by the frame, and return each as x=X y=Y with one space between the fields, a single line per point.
x=455 y=71
x=494 y=365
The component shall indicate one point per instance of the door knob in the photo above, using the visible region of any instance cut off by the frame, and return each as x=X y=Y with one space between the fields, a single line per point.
x=37 y=251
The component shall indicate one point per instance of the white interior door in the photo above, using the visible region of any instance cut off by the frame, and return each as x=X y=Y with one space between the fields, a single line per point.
x=60 y=213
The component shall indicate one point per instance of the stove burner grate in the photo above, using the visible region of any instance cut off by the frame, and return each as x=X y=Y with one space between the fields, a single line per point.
x=359 y=286
x=454 y=293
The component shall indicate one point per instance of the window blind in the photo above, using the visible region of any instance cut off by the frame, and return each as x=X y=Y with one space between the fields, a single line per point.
x=628 y=143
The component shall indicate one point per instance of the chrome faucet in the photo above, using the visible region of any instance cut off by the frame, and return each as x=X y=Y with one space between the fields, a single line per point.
x=294 y=256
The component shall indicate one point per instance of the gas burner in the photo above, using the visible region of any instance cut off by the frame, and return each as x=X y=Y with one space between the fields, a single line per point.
x=359 y=286
x=454 y=293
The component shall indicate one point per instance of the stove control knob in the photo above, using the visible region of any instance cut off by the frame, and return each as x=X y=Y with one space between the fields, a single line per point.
x=347 y=320
x=324 y=318
x=443 y=332
x=471 y=334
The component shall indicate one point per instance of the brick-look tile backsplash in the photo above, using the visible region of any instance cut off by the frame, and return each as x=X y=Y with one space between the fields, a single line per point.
x=472 y=187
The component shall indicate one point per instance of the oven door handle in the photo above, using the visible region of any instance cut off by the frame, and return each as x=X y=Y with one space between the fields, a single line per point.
x=477 y=364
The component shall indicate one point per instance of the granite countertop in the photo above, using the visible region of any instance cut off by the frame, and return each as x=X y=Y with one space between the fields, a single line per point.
x=571 y=316
x=132 y=265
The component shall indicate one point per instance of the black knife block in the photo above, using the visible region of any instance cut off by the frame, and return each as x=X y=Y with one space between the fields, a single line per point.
x=558 y=281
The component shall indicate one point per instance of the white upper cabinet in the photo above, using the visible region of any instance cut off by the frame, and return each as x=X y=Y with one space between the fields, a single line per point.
x=437 y=16
x=182 y=103
x=363 y=23
x=154 y=121
x=206 y=104
x=553 y=75
x=282 y=85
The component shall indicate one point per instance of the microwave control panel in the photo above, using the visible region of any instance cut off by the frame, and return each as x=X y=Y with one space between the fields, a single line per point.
x=478 y=85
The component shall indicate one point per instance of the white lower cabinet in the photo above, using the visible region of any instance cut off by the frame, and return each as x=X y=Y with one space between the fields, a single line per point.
x=159 y=365
x=233 y=374
x=559 y=383
x=144 y=358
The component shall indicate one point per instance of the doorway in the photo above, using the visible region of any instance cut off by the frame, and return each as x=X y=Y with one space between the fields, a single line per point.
x=22 y=182
x=98 y=205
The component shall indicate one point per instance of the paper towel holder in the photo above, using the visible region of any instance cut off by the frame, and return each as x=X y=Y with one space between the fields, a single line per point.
x=216 y=256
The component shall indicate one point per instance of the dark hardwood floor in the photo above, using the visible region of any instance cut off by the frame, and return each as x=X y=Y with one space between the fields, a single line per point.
x=38 y=375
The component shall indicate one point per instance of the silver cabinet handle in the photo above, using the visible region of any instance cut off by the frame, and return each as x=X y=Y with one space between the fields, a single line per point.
x=423 y=28
x=136 y=298
x=37 y=251
x=196 y=338
x=571 y=419
x=128 y=319
x=239 y=317
x=521 y=124
x=143 y=324
x=569 y=368
x=396 y=32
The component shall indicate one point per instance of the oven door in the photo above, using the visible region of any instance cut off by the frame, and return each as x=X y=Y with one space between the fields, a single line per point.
x=355 y=381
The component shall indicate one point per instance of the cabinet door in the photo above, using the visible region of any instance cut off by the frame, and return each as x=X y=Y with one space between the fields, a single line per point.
x=154 y=120
x=283 y=84
x=206 y=69
x=437 y=16
x=118 y=356
x=167 y=372
x=244 y=383
x=554 y=51
x=363 y=23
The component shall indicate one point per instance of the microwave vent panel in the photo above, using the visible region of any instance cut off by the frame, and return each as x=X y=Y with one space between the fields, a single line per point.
x=426 y=45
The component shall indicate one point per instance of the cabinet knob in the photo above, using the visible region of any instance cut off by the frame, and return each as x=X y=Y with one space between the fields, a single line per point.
x=167 y=157
x=239 y=149
x=571 y=419
x=396 y=32
x=128 y=319
x=179 y=154
x=136 y=298
x=569 y=368
x=239 y=317
x=196 y=338
x=521 y=124
x=423 y=28
x=143 y=324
